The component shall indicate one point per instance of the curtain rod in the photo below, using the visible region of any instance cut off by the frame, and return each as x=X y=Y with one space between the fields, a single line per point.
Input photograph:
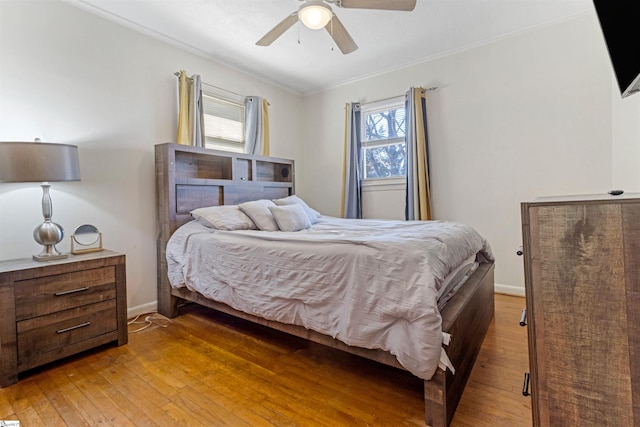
x=177 y=74
x=398 y=96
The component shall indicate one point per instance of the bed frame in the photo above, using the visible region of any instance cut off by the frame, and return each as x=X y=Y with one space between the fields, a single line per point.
x=189 y=177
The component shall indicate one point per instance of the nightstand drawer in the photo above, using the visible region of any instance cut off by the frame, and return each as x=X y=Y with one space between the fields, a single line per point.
x=49 y=294
x=47 y=333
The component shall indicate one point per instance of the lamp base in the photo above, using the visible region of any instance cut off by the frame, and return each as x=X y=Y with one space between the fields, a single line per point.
x=49 y=253
x=51 y=257
x=48 y=234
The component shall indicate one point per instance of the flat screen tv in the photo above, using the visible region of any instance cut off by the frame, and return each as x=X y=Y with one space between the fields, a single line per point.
x=619 y=20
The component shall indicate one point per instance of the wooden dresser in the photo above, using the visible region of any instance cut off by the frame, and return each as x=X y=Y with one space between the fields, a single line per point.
x=50 y=310
x=582 y=281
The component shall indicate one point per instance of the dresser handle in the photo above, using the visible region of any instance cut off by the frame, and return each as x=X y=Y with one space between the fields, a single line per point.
x=81 y=325
x=523 y=319
x=73 y=291
x=525 y=386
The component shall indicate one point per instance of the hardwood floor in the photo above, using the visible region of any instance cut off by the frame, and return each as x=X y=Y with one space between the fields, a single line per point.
x=207 y=369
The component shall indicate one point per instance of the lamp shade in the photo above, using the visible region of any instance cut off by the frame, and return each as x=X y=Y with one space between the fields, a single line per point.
x=38 y=162
x=315 y=14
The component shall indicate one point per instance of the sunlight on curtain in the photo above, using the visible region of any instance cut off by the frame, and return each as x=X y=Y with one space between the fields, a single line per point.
x=418 y=197
x=351 y=177
x=190 y=113
x=257 y=125
x=183 y=109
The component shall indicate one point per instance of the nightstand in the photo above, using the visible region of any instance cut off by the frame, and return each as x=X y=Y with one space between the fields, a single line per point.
x=54 y=309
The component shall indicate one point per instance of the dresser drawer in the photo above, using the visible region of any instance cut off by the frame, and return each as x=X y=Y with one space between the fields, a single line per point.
x=47 y=333
x=45 y=295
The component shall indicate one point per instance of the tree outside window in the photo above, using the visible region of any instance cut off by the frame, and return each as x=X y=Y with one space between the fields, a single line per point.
x=383 y=145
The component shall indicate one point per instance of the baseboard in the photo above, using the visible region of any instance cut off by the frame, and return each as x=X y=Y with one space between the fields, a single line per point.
x=509 y=290
x=150 y=307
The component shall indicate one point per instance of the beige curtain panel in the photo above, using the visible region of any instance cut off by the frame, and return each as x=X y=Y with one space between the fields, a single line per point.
x=418 y=193
x=190 y=111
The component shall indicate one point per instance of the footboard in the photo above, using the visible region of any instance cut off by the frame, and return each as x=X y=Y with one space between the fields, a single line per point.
x=466 y=318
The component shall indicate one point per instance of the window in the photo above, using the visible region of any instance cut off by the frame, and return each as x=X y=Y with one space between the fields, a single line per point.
x=383 y=144
x=223 y=121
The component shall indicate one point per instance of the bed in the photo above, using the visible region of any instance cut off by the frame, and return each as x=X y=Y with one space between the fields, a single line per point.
x=188 y=178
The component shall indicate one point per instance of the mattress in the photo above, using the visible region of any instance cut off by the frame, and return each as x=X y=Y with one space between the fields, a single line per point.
x=370 y=284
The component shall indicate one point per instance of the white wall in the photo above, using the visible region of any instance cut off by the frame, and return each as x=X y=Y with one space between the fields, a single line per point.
x=68 y=76
x=522 y=117
x=626 y=140
x=384 y=200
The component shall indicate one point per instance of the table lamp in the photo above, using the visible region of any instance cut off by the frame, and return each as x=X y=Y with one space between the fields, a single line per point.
x=41 y=162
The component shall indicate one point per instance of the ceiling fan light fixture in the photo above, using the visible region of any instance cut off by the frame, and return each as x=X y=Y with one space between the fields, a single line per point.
x=315 y=14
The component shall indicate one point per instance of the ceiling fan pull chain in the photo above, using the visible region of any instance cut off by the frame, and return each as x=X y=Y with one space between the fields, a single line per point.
x=299 y=32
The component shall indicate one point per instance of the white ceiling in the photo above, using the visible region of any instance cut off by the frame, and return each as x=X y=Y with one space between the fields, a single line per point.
x=226 y=31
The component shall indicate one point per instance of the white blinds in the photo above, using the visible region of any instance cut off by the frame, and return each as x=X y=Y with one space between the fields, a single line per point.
x=223 y=122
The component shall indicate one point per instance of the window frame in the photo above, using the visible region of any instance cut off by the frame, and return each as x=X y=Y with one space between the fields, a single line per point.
x=220 y=96
x=372 y=108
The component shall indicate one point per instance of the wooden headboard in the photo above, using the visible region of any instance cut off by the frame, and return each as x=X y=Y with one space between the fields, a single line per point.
x=190 y=177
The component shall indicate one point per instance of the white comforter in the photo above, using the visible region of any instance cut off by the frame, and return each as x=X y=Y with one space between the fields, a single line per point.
x=368 y=283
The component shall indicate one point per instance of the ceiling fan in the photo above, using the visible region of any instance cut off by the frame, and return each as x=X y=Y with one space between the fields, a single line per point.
x=317 y=14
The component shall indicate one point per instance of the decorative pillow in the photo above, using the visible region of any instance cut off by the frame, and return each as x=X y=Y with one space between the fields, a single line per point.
x=290 y=217
x=228 y=217
x=258 y=211
x=291 y=200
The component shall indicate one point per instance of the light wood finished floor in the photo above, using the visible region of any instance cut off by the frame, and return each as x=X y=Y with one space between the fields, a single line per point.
x=206 y=369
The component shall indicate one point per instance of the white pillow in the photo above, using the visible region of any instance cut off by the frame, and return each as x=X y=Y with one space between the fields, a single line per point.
x=291 y=200
x=290 y=217
x=228 y=217
x=258 y=211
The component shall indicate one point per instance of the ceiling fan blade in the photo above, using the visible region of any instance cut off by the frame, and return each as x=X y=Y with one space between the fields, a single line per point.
x=339 y=34
x=407 y=5
x=278 y=30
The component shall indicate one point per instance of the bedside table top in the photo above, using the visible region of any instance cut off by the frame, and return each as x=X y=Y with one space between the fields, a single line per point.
x=28 y=263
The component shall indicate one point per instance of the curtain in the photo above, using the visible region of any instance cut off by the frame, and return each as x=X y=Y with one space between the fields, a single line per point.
x=351 y=177
x=190 y=112
x=256 y=125
x=418 y=198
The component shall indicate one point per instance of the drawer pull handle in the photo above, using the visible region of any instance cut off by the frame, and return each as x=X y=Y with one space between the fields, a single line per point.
x=81 y=325
x=525 y=386
x=523 y=319
x=73 y=291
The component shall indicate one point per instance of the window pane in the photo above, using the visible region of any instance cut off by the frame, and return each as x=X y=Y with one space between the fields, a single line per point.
x=384 y=124
x=221 y=144
x=383 y=139
x=220 y=128
x=385 y=161
x=223 y=123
